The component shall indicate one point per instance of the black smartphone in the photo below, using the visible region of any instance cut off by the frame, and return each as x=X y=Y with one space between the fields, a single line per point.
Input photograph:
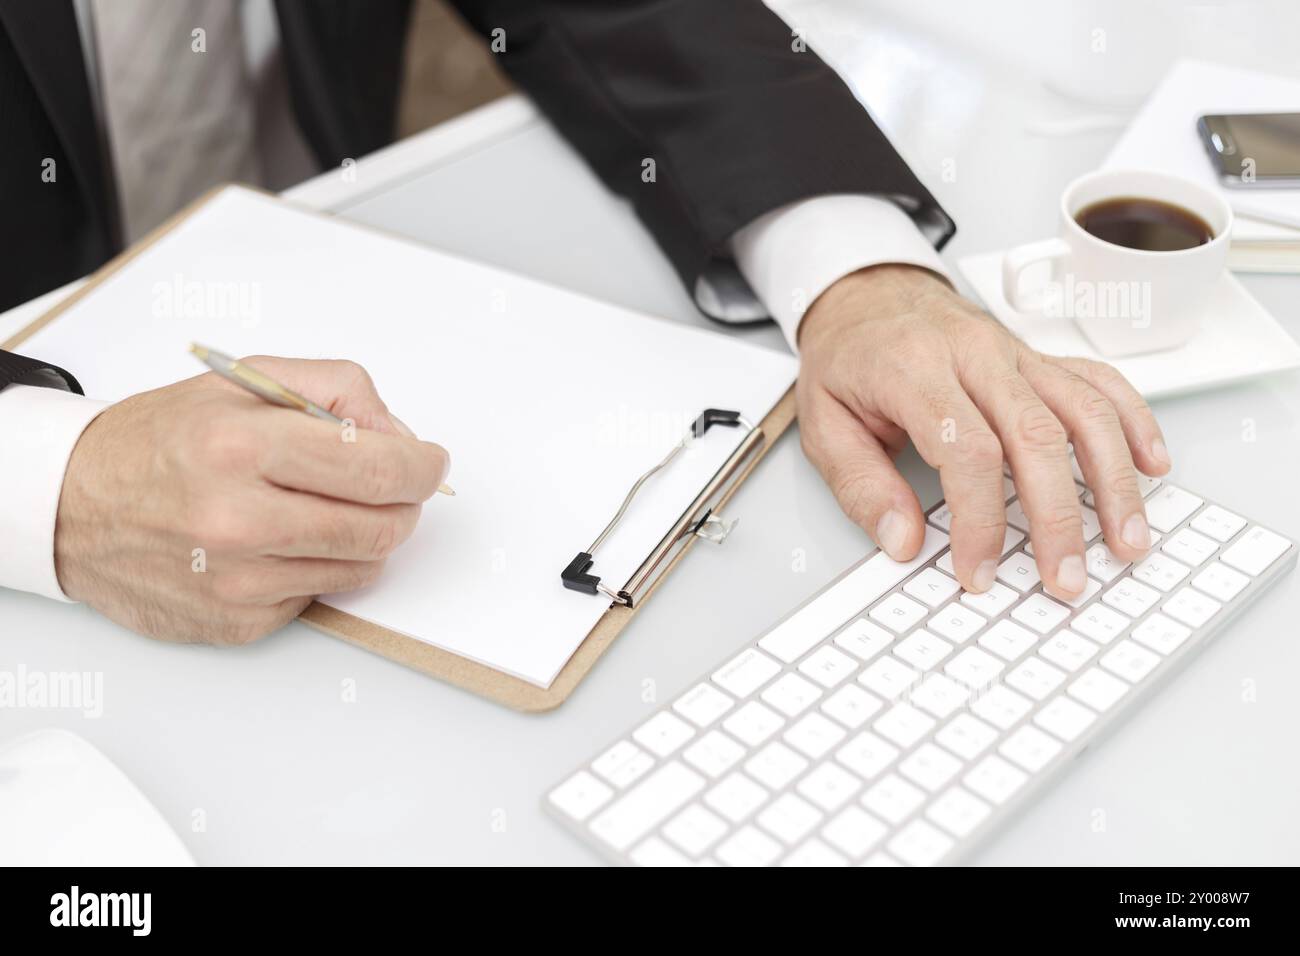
x=1253 y=149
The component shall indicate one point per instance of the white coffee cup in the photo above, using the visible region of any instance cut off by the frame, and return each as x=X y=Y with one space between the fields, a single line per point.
x=1126 y=301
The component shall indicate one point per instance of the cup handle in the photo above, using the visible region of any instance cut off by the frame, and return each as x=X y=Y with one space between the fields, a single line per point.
x=1019 y=259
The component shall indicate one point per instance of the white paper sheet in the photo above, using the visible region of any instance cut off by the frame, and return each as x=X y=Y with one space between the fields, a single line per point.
x=550 y=403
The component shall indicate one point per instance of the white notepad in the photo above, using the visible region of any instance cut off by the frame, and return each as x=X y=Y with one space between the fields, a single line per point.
x=550 y=403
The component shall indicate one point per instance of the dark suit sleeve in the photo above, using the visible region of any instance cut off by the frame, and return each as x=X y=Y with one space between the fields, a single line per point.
x=737 y=121
x=21 y=370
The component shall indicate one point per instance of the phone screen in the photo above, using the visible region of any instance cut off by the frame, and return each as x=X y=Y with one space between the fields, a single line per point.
x=1254 y=146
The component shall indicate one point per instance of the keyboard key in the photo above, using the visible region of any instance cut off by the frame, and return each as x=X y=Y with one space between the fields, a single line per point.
x=655 y=852
x=1011 y=537
x=888 y=677
x=1131 y=597
x=1016 y=516
x=1019 y=571
x=663 y=733
x=851 y=706
x=1220 y=582
x=1001 y=706
x=956 y=622
x=814 y=853
x=1218 y=523
x=791 y=694
x=854 y=832
x=736 y=797
x=944 y=564
x=994 y=779
x=829 y=786
x=992 y=602
x=1008 y=640
x=746 y=672
x=919 y=844
x=893 y=798
x=1169 y=507
x=1091 y=524
x=581 y=795
x=1035 y=677
x=753 y=723
x=958 y=811
x=1090 y=590
x=922 y=649
x=1102 y=563
x=974 y=668
x=703 y=704
x=941 y=517
x=1255 y=550
x=623 y=763
x=932 y=587
x=713 y=754
x=748 y=846
x=903 y=724
x=1040 y=613
x=898 y=613
x=775 y=765
x=929 y=767
x=863 y=639
x=939 y=695
x=1097 y=689
x=1068 y=650
x=1161 y=634
x=844 y=600
x=827 y=666
x=814 y=735
x=1030 y=748
x=1130 y=661
x=1100 y=623
x=1189 y=547
x=1191 y=607
x=966 y=736
x=1161 y=572
x=789 y=818
x=646 y=805
x=867 y=755
x=880 y=858
x=695 y=829
x=1064 y=717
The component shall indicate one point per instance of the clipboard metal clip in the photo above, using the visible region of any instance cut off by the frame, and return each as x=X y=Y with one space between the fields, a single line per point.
x=700 y=520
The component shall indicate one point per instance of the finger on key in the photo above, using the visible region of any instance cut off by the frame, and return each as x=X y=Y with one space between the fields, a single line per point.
x=861 y=474
x=1102 y=451
x=1036 y=446
x=1145 y=440
x=951 y=435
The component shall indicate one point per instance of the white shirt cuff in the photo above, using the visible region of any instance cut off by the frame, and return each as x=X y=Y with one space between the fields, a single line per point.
x=41 y=426
x=792 y=255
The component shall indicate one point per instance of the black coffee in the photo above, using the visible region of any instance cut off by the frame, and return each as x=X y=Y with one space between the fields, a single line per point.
x=1144 y=224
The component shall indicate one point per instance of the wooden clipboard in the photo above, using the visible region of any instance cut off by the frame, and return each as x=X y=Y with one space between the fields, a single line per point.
x=477 y=678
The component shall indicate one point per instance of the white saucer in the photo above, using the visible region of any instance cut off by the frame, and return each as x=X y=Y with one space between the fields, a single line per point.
x=1238 y=340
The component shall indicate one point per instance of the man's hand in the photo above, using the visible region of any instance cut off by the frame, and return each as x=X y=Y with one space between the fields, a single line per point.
x=892 y=352
x=198 y=512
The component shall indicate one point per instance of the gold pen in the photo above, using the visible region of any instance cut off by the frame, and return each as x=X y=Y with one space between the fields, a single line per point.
x=268 y=388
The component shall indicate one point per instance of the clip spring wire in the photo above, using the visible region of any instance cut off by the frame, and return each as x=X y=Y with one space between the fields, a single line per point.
x=576 y=575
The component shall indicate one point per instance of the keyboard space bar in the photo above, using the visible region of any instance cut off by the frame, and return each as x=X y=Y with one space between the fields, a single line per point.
x=845 y=599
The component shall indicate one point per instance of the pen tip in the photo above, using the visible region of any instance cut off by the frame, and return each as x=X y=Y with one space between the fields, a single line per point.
x=198 y=350
x=446 y=489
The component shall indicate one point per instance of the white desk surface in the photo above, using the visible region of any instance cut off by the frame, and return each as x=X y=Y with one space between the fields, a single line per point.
x=260 y=740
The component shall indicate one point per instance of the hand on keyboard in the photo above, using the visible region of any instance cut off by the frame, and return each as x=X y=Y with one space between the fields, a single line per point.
x=892 y=352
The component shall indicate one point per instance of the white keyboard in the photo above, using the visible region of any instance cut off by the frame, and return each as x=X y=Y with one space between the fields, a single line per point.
x=895 y=719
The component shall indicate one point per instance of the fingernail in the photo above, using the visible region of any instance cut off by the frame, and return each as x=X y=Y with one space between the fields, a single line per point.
x=891 y=533
x=1159 y=452
x=984 y=576
x=1136 y=534
x=401 y=426
x=1070 y=575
